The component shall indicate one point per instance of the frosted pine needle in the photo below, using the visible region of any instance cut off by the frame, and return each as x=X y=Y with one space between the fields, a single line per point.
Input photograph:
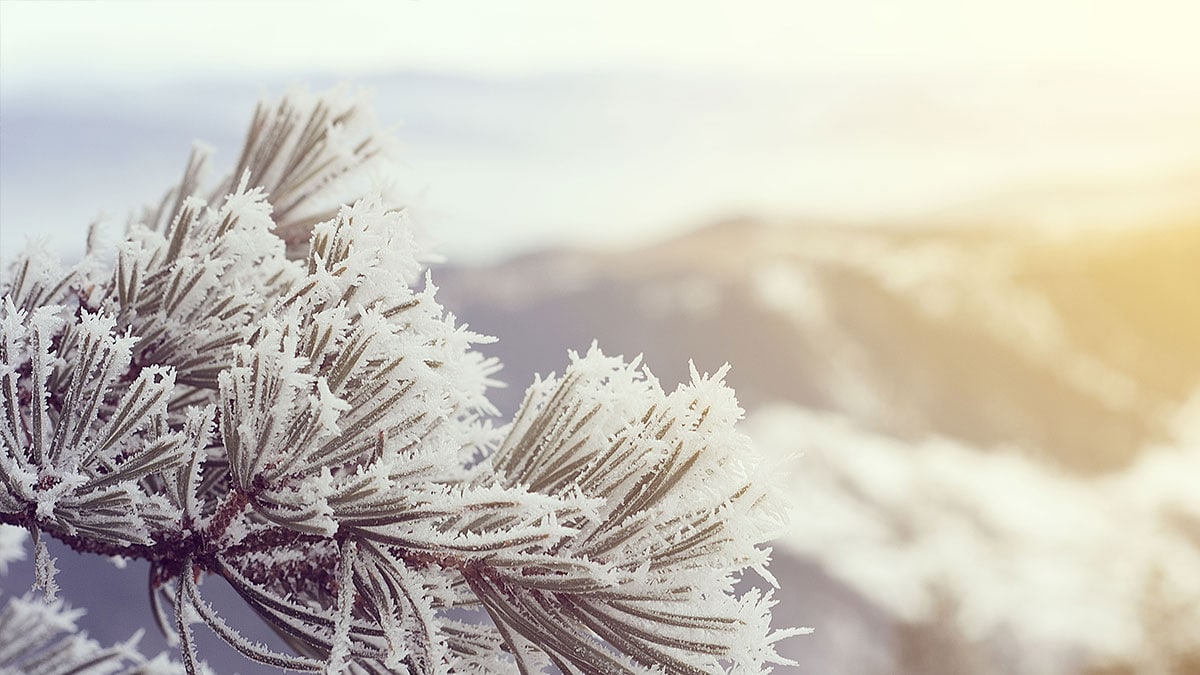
x=261 y=385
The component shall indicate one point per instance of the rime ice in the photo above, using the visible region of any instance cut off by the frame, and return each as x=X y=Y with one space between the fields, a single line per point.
x=261 y=385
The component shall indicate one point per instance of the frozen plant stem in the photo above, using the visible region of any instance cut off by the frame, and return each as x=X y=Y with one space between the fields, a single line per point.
x=259 y=384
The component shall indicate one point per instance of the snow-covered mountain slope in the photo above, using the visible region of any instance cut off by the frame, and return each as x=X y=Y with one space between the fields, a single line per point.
x=1074 y=352
x=990 y=549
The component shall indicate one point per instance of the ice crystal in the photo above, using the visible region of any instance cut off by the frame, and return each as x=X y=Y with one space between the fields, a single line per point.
x=261 y=385
x=40 y=638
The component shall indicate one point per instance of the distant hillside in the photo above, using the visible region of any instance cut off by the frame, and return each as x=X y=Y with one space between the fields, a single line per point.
x=1073 y=351
x=1132 y=300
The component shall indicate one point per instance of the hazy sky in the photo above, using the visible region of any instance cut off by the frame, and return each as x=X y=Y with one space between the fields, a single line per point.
x=152 y=39
x=858 y=109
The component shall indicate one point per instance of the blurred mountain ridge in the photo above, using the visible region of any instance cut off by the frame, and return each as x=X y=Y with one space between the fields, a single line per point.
x=1073 y=350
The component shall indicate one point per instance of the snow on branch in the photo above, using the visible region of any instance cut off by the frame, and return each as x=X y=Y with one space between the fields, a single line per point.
x=261 y=385
x=685 y=506
x=38 y=638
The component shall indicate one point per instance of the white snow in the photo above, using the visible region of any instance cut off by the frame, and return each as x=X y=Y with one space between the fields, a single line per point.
x=1059 y=561
x=12 y=546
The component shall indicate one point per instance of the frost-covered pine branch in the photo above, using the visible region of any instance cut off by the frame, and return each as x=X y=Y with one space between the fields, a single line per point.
x=41 y=638
x=260 y=384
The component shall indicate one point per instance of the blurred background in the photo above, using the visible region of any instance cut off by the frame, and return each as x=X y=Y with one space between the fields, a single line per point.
x=951 y=251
